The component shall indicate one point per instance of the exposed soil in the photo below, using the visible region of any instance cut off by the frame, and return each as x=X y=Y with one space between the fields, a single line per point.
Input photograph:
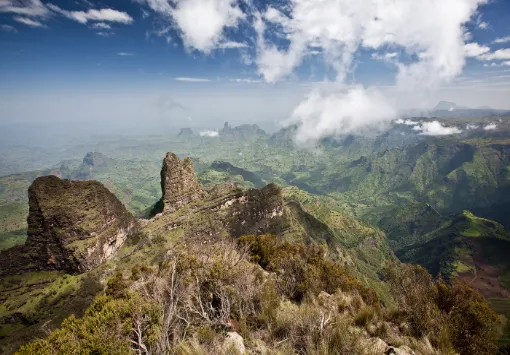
x=486 y=279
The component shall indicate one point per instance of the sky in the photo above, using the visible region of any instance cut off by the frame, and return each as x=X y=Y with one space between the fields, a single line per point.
x=331 y=66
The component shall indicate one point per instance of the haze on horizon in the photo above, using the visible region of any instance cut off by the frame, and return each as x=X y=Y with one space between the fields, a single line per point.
x=332 y=66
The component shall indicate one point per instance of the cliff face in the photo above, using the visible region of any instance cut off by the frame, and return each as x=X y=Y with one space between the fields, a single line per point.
x=179 y=183
x=224 y=210
x=72 y=226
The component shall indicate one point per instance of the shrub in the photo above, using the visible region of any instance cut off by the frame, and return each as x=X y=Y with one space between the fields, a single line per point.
x=109 y=326
x=303 y=269
x=452 y=315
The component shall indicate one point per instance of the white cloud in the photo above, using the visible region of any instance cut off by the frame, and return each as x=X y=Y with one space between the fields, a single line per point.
x=483 y=25
x=407 y=122
x=31 y=8
x=321 y=115
x=192 y=80
x=497 y=55
x=434 y=33
x=435 y=128
x=231 y=44
x=105 y=15
x=209 y=134
x=8 y=28
x=471 y=126
x=105 y=34
x=385 y=56
x=434 y=30
x=101 y=26
x=248 y=81
x=202 y=22
x=502 y=40
x=490 y=127
x=475 y=50
x=125 y=54
x=29 y=22
x=506 y=63
x=160 y=6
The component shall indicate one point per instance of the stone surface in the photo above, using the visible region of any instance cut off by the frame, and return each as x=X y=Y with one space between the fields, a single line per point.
x=179 y=183
x=72 y=226
x=235 y=342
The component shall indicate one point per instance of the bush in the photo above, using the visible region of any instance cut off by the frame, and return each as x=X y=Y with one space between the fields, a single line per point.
x=304 y=269
x=452 y=315
x=109 y=326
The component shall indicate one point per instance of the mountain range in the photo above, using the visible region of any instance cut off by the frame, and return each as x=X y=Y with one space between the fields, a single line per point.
x=362 y=205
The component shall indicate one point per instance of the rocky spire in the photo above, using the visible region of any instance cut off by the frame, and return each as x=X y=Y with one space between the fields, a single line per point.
x=179 y=183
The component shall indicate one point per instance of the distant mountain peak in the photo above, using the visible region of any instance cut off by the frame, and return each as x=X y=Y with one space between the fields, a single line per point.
x=449 y=106
x=95 y=159
x=445 y=106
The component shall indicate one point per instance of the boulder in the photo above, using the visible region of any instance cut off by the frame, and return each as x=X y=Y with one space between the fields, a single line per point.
x=234 y=342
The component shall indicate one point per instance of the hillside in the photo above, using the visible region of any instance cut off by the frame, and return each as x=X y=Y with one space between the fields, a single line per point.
x=226 y=270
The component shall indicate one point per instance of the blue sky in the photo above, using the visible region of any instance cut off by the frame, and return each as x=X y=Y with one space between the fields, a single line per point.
x=229 y=56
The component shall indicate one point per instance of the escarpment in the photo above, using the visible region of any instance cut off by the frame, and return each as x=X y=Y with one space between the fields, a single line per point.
x=72 y=226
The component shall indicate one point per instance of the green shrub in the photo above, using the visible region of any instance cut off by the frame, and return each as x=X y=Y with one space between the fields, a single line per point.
x=304 y=269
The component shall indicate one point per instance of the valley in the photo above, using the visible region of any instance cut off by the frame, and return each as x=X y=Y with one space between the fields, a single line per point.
x=438 y=202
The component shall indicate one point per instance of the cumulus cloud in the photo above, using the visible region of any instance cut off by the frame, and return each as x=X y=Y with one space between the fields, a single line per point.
x=497 y=55
x=104 y=15
x=321 y=115
x=201 y=23
x=475 y=50
x=385 y=56
x=29 y=22
x=490 y=127
x=434 y=34
x=471 y=126
x=436 y=128
x=192 y=80
x=209 y=134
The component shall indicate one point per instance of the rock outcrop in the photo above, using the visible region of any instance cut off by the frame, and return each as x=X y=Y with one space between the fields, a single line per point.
x=223 y=210
x=179 y=183
x=185 y=132
x=91 y=162
x=96 y=159
x=243 y=132
x=72 y=226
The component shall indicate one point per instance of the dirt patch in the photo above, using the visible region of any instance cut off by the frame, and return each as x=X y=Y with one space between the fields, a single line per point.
x=486 y=279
